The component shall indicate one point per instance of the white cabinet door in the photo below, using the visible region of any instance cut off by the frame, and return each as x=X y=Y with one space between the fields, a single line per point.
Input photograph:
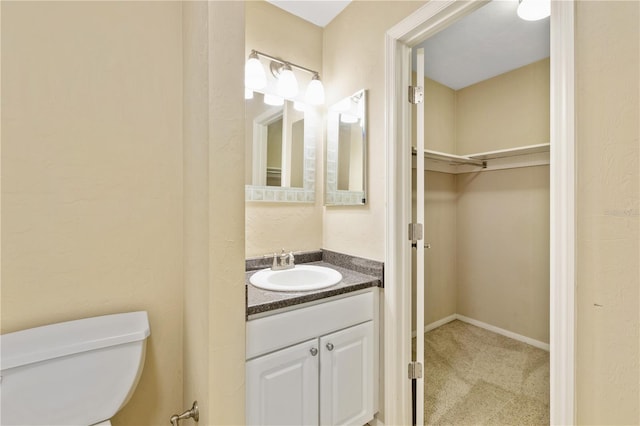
x=346 y=376
x=282 y=387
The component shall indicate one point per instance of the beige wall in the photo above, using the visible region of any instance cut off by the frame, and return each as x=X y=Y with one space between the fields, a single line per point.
x=439 y=117
x=503 y=249
x=503 y=216
x=214 y=312
x=608 y=213
x=353 y=59
x=92 y=176
x=519 y=102
x=441 y=199
x=272 y=226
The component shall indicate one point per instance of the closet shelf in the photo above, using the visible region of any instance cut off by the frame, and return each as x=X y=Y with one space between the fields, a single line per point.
x=525 y=156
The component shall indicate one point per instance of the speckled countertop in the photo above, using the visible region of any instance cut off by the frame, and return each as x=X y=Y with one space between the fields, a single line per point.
x=357 y=274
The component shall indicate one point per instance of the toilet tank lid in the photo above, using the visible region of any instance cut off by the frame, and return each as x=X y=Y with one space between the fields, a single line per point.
x=67 y=338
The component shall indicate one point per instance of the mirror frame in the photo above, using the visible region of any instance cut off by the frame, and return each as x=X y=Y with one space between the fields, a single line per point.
x=306 y=194
x=334 y=196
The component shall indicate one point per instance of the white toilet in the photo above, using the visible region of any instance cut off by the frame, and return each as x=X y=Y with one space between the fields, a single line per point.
x=72 y=373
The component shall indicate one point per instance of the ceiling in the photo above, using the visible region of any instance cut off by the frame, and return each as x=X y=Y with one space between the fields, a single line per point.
x=317 y=12
x=486 y=43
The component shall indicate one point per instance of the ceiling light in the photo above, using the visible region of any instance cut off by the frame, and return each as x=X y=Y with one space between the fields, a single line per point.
x=534 y=10
x=287 y=83
x=254 y=75
x=315 y=91
x=273 y=100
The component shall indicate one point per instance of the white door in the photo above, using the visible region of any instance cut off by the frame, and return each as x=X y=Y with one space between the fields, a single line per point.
x=282 y=387
x=346 y=376
x=419 y=244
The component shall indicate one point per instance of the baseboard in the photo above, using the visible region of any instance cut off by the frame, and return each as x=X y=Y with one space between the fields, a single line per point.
x=436 y=324
x=506 y=333
x=493 y=328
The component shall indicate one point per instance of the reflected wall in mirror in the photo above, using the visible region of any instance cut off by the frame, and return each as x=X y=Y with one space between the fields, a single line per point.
x=280 y=150
x=347 y=151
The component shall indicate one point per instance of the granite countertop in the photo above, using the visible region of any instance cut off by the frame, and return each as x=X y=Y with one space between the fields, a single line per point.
x=259 y=301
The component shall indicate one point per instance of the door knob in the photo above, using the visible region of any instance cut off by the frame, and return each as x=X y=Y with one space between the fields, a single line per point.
x=313 y=351
x=330 y=346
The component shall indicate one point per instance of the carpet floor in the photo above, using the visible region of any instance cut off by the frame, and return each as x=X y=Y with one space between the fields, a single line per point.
x=477 y=377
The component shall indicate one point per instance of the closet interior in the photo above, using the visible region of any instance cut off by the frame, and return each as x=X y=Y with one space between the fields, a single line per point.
x=486 y=289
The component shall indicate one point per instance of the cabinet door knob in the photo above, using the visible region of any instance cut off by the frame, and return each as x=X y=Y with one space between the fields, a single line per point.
x=313 y=351
x=330 y=346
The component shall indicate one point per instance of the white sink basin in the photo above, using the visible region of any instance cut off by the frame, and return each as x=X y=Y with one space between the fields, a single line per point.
x=300 y=278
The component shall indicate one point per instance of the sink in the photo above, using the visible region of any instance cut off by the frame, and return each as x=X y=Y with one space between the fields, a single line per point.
x=299 y=278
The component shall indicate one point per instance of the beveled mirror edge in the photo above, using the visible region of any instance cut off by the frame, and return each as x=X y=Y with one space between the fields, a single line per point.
x=332 y=195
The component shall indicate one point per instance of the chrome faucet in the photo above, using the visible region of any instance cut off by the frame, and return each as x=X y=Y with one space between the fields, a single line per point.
x=283 y=261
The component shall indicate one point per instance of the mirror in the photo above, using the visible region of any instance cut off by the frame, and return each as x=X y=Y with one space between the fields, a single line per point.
x=280 y=150
x=346 y=170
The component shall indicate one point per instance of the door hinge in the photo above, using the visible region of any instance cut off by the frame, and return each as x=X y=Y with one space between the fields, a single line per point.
x=415 y=231
x=416 y=94
x=415 y=370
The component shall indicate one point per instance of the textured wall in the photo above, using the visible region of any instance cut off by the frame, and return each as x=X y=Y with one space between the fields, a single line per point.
x=503 y=249
x=92 y=176
x=608 y=213
x=214 y=291
x=272 y=226
x=515 y=114
x=441 y=275
x=353 y=59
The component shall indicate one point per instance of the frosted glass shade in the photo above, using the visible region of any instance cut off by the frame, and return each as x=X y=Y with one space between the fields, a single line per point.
x=315 y=92
x=254 y=76
x=287 y=84
x=534 y=10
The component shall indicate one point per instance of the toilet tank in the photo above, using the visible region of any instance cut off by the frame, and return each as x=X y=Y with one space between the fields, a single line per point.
x=78 y=372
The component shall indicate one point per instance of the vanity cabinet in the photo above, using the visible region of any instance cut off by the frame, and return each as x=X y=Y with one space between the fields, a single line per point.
x=346 y=376
x=328 y=379
x=282 y=387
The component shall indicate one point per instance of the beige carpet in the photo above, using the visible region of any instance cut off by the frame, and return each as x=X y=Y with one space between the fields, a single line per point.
x=476 y=377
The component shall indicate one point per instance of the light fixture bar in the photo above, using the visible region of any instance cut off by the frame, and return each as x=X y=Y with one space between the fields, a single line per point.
x=300 y=67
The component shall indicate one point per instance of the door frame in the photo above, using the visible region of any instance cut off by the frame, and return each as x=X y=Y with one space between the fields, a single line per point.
x=424 y=22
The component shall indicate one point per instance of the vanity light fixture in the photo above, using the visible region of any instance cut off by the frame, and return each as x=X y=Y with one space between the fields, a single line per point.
x=534 y=10
x=287 y=83
x=315 y=91
x=254 y=76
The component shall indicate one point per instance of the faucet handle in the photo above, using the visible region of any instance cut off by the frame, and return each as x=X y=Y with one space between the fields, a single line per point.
x=292 y=258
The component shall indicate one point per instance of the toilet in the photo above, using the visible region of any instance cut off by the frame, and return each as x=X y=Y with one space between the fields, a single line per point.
x=77 y=373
